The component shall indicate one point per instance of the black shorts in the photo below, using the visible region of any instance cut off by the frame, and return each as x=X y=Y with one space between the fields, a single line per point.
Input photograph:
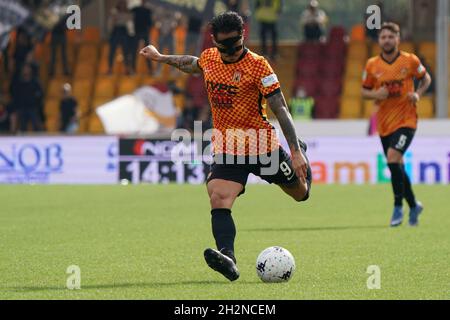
x=278 y=171
x=399 y=140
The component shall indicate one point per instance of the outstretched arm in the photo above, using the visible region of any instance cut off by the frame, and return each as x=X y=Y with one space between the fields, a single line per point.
x=187 y=64
x=279 y=107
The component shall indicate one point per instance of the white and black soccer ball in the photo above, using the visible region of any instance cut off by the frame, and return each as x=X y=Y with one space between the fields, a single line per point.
x=275 y=264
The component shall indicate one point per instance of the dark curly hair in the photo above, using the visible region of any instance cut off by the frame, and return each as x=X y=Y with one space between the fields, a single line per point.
x=227 y=22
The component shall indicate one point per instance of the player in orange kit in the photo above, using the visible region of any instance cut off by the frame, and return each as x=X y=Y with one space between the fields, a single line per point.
x=237 y=80
x=389 y=80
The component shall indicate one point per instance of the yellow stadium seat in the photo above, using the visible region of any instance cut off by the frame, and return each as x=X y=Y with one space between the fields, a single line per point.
x=147 y=81
x=425 y=107
x=51 y=108
x=428 y=50
x=354 y=70
x=350 y=108
x=127 y=85
x=407 y=46
x=99 y=101
x=358 y=51
x=52 y=123
x=368 y=108
x=85 y=70
x=95 y=124
x=55 y=88
x=82 y=88
x=375 y=49
x=88 y=53
x=105 y=87
x=352 y=88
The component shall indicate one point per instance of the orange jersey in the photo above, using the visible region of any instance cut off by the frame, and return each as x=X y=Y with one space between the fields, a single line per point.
x=397 y=111
x=235 y=92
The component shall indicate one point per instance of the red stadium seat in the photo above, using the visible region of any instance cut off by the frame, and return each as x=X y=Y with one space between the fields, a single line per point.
x=330 y=87
x=310 y=50
x=332 y=69
x=307 y=68
x=310 y=85
x=326 y=107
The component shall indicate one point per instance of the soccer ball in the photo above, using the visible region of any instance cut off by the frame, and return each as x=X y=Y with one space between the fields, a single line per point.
x=275 y=264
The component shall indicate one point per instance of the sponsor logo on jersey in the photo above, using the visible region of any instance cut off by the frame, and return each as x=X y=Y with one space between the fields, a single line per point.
x=269 y=80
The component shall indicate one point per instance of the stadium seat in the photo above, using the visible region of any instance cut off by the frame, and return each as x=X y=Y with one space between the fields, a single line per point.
x=368 y=108
x=354 y=70
x=428 y=50
x=335 y=50
x=99 y=101
x=127 y=85
x=95 y=124
x=350 y=108
x=407 y=46
x=358 y=51
x=51 y=108
x=425 y=107
x=84 y=70
x=358 y=33
x=82 y=88
x=375 y=49
x=91 y=34
x=326 y=107
x=352 y=88
x=147 y=81
x=55 y=87
x=88 y=53
x=105 y=87
x=196 y=88
x=331 y=69
x=310 y=85
x=308 y=68
x=310 y=50
x=330 y=87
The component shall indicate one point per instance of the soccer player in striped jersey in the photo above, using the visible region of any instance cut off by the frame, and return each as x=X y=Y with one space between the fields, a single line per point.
x=238 y=81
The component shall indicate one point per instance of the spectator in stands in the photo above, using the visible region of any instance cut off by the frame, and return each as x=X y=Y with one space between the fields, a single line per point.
x=166 y=24
x=68 y=111
x=313 y=22
x=267 y=14
x=121 y=27
x=23 y=47
x=27 y=94
x=7 y=118
x=143 y=21
x=194 y=30
x=302 y=106
x=59 y=41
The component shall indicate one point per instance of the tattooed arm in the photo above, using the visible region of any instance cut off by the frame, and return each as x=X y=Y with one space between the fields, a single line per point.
x=187 y=64
x=279 y=107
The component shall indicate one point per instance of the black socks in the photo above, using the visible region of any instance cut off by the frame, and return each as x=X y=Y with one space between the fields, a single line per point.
x=397 y=180
x=223 y=229
x=401 y=185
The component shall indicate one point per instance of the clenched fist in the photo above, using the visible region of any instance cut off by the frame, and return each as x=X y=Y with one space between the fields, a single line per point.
x=150 y=52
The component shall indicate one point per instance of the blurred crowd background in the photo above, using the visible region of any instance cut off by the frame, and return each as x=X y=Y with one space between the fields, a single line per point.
x=53 y=79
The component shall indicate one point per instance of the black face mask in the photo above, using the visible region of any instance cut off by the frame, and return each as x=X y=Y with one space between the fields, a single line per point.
x=228 y=44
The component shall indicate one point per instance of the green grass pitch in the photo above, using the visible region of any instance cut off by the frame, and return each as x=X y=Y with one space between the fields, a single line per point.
x=147 y=242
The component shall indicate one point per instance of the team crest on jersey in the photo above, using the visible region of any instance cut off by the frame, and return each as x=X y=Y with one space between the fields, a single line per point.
x=404 y=72
x=237 y=76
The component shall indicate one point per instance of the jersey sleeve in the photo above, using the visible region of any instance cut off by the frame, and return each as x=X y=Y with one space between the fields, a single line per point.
x=368 y=80
x=266 y=79
x=201 y=61
x=418 y=69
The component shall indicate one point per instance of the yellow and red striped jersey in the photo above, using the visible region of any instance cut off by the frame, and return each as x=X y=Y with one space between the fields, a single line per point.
x=236 y=92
